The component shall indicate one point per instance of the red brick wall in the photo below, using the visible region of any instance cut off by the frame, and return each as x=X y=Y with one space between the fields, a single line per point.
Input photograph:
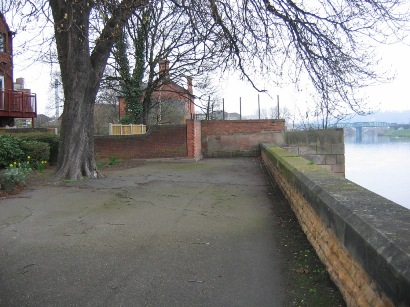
x=6 y=61
x=194 y=138
x=218 y=127
x=159 y=142
x=228 y=138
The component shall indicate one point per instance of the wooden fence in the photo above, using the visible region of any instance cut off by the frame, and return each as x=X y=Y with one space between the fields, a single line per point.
x=118 y=129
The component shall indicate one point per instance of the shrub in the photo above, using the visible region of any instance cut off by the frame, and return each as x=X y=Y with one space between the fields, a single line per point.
x=51 y=139
x=38 y=151
x=127 y=120
x=10 y=150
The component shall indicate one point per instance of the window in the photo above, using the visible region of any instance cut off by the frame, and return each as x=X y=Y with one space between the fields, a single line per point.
x=2 y=42
x=1 y=93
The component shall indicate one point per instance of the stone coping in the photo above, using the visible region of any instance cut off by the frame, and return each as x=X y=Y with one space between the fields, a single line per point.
x=375 y=230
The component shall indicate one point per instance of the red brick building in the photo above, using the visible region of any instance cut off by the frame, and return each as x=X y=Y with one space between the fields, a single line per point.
x=15 y=101
x=171 y=95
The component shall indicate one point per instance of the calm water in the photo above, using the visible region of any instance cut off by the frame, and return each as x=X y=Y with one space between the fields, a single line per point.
x=380 y=164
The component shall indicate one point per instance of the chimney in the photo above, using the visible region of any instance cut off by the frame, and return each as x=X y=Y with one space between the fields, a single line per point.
x=191 y=105
x=164 y=68
x=189 y=84
x=20 y=83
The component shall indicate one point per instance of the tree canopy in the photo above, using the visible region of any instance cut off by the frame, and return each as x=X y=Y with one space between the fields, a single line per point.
x=327 y=42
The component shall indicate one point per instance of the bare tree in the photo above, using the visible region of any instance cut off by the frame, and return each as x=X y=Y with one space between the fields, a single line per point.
x=81 y=71
x=43 y=120
x=273 y=113
x=168 y=34
x=167 y=112
x=106 y=110
x=211 y=108
x=328 y=42
x=82 y=62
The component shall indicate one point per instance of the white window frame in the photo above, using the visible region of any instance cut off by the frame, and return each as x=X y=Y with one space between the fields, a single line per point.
x=3 y=49
x=2 y=87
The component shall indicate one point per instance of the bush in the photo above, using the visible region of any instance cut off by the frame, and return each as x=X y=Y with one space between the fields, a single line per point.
x=38 y=151
x=10 y=150
x=20 y=154
x=51 y=139
x=127 y=120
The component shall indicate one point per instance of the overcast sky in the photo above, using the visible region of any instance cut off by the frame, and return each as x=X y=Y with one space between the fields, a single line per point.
x=393 y=96
x=386 y=97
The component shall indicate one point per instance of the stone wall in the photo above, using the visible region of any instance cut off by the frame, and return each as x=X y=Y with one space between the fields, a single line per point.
x=323 y=147
x=230 y=138
x=362 y=238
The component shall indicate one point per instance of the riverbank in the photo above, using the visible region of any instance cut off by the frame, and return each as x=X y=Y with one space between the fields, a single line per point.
x=404 y=133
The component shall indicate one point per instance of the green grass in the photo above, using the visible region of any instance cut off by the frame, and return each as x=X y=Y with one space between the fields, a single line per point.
x=398 y=133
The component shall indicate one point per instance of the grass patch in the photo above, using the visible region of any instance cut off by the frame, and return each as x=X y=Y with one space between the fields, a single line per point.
x=405 y=133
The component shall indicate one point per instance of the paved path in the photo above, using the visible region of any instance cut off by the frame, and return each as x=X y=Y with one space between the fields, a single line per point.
x=161 y=234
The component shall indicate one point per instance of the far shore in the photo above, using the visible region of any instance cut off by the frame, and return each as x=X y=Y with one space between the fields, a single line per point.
x=405 y=133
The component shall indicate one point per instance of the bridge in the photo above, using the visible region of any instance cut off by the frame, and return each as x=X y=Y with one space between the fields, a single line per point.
x=360 y=125
x=363 y=124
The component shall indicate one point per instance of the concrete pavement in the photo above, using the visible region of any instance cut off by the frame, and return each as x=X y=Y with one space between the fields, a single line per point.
x=161 y=234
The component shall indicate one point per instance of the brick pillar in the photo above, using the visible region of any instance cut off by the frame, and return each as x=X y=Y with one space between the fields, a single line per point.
x=121 y=106
x=193 y=139
x=191 y=97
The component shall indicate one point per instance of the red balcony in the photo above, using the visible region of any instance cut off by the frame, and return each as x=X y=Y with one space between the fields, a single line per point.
x=17 y=104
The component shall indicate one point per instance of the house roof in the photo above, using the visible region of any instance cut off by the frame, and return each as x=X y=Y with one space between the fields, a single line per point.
x=176 y=85
x=3 y=19
x=170 y=83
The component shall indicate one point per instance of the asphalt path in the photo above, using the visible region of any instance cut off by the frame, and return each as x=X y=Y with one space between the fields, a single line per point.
x=160 y=234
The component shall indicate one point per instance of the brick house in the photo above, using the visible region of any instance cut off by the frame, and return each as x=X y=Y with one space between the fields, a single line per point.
x=173 y=103
x=15 y=101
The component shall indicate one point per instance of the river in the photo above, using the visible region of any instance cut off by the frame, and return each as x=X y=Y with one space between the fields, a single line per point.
x=380 y=164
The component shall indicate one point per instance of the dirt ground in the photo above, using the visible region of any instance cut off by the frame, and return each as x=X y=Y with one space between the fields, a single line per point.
x=310 y=283
x=307 y=281
x=36 y=179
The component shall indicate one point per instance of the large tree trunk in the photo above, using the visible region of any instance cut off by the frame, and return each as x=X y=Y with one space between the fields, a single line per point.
x=81 y=73
x=80 y=84
x=76 y=150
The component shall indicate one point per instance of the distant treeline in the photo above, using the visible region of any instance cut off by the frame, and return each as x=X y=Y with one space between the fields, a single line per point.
x=397 y=133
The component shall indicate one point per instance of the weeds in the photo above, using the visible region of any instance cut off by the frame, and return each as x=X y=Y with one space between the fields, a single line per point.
x=41 y=166
x=113 y=161
x=14 y=175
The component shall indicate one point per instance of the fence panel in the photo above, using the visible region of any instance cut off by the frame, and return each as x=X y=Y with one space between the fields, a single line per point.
x=118 y=129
